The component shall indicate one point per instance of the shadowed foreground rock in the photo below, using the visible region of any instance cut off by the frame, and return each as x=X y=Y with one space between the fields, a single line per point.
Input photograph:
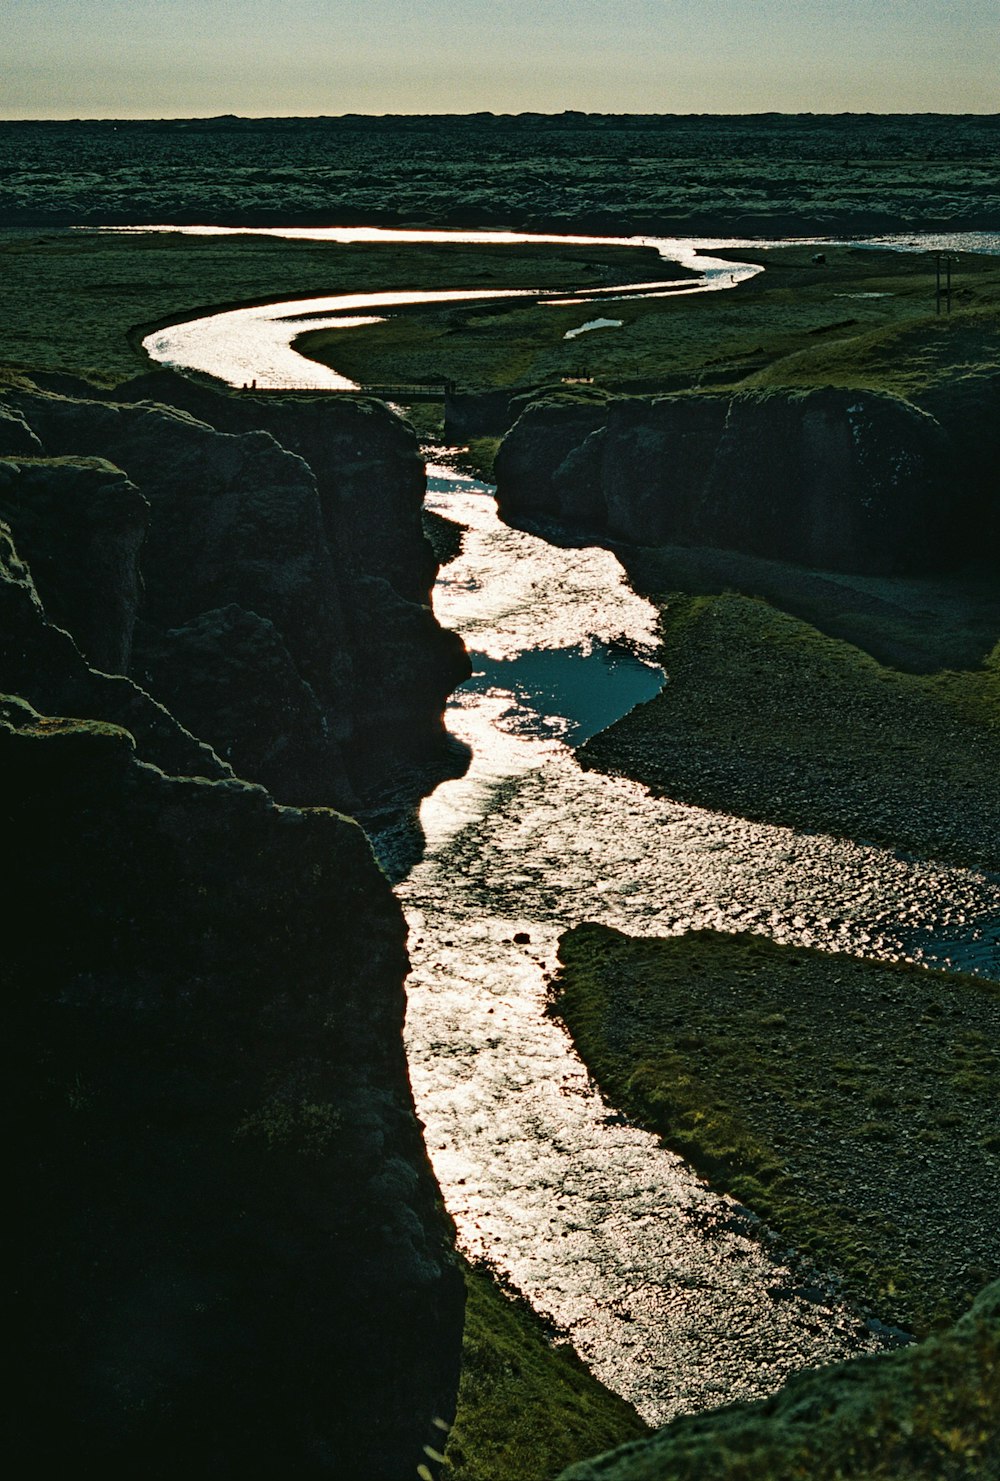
x=234 y=1264
x=233 y=1260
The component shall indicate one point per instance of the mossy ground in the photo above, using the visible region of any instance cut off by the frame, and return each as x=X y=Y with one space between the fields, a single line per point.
x=80 y=300
x=724 y=175
x=851 y=1104
x=765 y=716
x=527 y=1406
x=930 y=1413
x=866 y=318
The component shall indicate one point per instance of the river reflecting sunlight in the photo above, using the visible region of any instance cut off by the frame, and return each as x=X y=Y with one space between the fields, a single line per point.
x=661 y=1284
x=664 y=1287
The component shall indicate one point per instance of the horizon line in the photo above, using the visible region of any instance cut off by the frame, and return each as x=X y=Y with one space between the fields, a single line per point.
x=574 y=113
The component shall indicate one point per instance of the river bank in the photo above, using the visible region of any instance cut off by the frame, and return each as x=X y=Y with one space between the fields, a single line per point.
x=923 y=1414
x=765 y=716
x=849 y=1103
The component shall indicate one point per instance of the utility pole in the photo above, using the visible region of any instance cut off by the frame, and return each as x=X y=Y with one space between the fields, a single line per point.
x=943 y=286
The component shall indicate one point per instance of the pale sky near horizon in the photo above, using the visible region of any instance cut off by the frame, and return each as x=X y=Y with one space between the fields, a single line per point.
x=197 y=58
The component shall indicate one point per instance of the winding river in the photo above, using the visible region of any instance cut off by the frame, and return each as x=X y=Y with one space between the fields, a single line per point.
x=662 y=1286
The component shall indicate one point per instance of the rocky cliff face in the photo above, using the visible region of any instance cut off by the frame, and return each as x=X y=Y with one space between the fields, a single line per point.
x=42 y=664
x=368 y=470
x=235 y=1262
x=842 y=480
x=80 y=526
x=237 y=520
x=969 y=407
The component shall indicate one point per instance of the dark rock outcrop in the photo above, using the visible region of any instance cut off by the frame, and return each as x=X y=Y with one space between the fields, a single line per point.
x=968 y=407
x=16 y=438
x=531 y=456
x=80 y=526
x=232 y=519
x=228 y=674
x=843 y=480
x=238 y=520
x=233 y=1261
x=469 y=413
x=41 y=663
x=367 y=466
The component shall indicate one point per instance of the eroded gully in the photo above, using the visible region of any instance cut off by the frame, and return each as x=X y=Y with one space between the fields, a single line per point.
x=665 y=1288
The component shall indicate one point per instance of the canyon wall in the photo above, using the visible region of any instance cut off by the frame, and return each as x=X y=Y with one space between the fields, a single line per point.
x=837 y=479
x=285 y=613
x=234 y=1259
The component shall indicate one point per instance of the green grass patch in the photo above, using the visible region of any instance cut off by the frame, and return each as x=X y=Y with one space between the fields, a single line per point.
x=527 y=1406
x=849 y=1103
x=497 y=348
x=767 y=717
x=975 y=696
x=906 y=359
x=479 y=456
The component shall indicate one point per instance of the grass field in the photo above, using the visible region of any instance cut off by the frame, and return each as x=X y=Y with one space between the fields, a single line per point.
x=865 y=318
x=847 y=1102
x=81 y=300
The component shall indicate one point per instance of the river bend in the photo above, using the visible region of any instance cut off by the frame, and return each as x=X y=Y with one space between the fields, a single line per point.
x=661 y=1284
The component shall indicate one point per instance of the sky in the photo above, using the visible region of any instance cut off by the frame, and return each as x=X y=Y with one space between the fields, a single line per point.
x=199 y=58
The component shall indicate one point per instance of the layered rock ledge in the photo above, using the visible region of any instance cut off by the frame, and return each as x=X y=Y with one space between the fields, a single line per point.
x=285 y=580
x=839 y=479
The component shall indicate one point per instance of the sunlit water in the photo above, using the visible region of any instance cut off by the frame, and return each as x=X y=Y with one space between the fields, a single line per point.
x=592 y=324
x=662 y=1285
x=255 y=346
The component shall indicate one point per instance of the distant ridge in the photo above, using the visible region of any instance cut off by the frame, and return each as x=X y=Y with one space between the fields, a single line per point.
x=567 y=118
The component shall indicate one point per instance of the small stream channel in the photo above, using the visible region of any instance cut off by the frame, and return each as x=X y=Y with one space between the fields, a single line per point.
x=663 y=1286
